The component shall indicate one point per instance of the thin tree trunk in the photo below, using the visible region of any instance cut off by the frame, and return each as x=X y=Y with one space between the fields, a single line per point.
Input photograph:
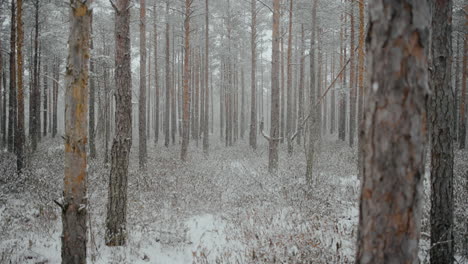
x=12 y=94
x=342 y=103
x=207 y=72
x=395 y=129
x=74 y=206
x=186 y=95
x=45 y=105
x=312 y=99
x=253 y=99
x=55 y=96
x=142 y=153
x=361 y=88
x=34 y=100
x=19 y=133
x=242 y=128
x=116 y=232
x=352 y=86
x=156 y=78
x=92 y=98
x=462 y=133
x=289 y=120
x=168 y=81
x=283 y=95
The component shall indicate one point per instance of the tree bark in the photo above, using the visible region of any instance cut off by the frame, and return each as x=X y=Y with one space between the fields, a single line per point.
x=395 y=132
x=207 y=72
x=168 y=81
x=156 y=78
x=45 y=102
x=352 y=84
x=312 y=98
x=463 y=98
x=12 y=94
x=34 y=97
x=19 y=131
x=342 y=103
x=289 y=121
x=92 y=99
x=441 y=214
x=253 y=91
x=116 y=232
x=186 y=95
x=142 y=153
x=74 y=206
x=361 y=96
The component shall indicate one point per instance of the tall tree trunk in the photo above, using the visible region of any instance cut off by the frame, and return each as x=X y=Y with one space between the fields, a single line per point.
x=289 y=120
x=116 y=231
x=275 y=89
x=186 y=114
x=395 y=129
x=55 y=96
x=92 y=99
x=253 y=91
x=283 y=96
x=75 y=201
x=12 y=95
x=142 y=154
x=45 y=105
x=333 y=93
x=207 y=72
x=312 y=100
x=352 y=86
x=242 y=125
x=173 y=94
x=19 y=133
x=168 y=81
x=156 y=78
x=4 y=108
x=342 y=103
x=442 y=245
x=456 y=61
x=34 y=97
x=462 y=133
x=361 y=96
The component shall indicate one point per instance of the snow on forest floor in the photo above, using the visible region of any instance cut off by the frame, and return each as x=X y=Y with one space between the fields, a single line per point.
x=224 y=208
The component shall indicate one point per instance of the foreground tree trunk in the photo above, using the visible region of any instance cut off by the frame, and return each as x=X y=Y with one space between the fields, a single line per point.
x=186 y=95
x=442 y=245
x=253 y=91
x=352 y=84
x=19 y=131
x=74 y=206
x=275 y=89
x=34 y=97
x=395 y=132
x=116 y=222
x=142 y=155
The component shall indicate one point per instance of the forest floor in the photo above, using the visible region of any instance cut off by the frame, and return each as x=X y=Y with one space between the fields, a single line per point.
x=221 y=208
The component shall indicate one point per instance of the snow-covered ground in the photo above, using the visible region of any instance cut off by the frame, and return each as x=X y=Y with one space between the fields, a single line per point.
x=224 y=208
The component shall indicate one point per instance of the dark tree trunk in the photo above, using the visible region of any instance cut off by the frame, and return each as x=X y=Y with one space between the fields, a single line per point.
x=142 y=154
x=92 y=99
x=19 y=131
x=395 y=132
x=462 y=133
x=116 y=232
x=442 y=244
x=55 y=95
x=45 y=102
x=34 y=97
x=301 y=86
x=12 y=94
x=75 y=202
